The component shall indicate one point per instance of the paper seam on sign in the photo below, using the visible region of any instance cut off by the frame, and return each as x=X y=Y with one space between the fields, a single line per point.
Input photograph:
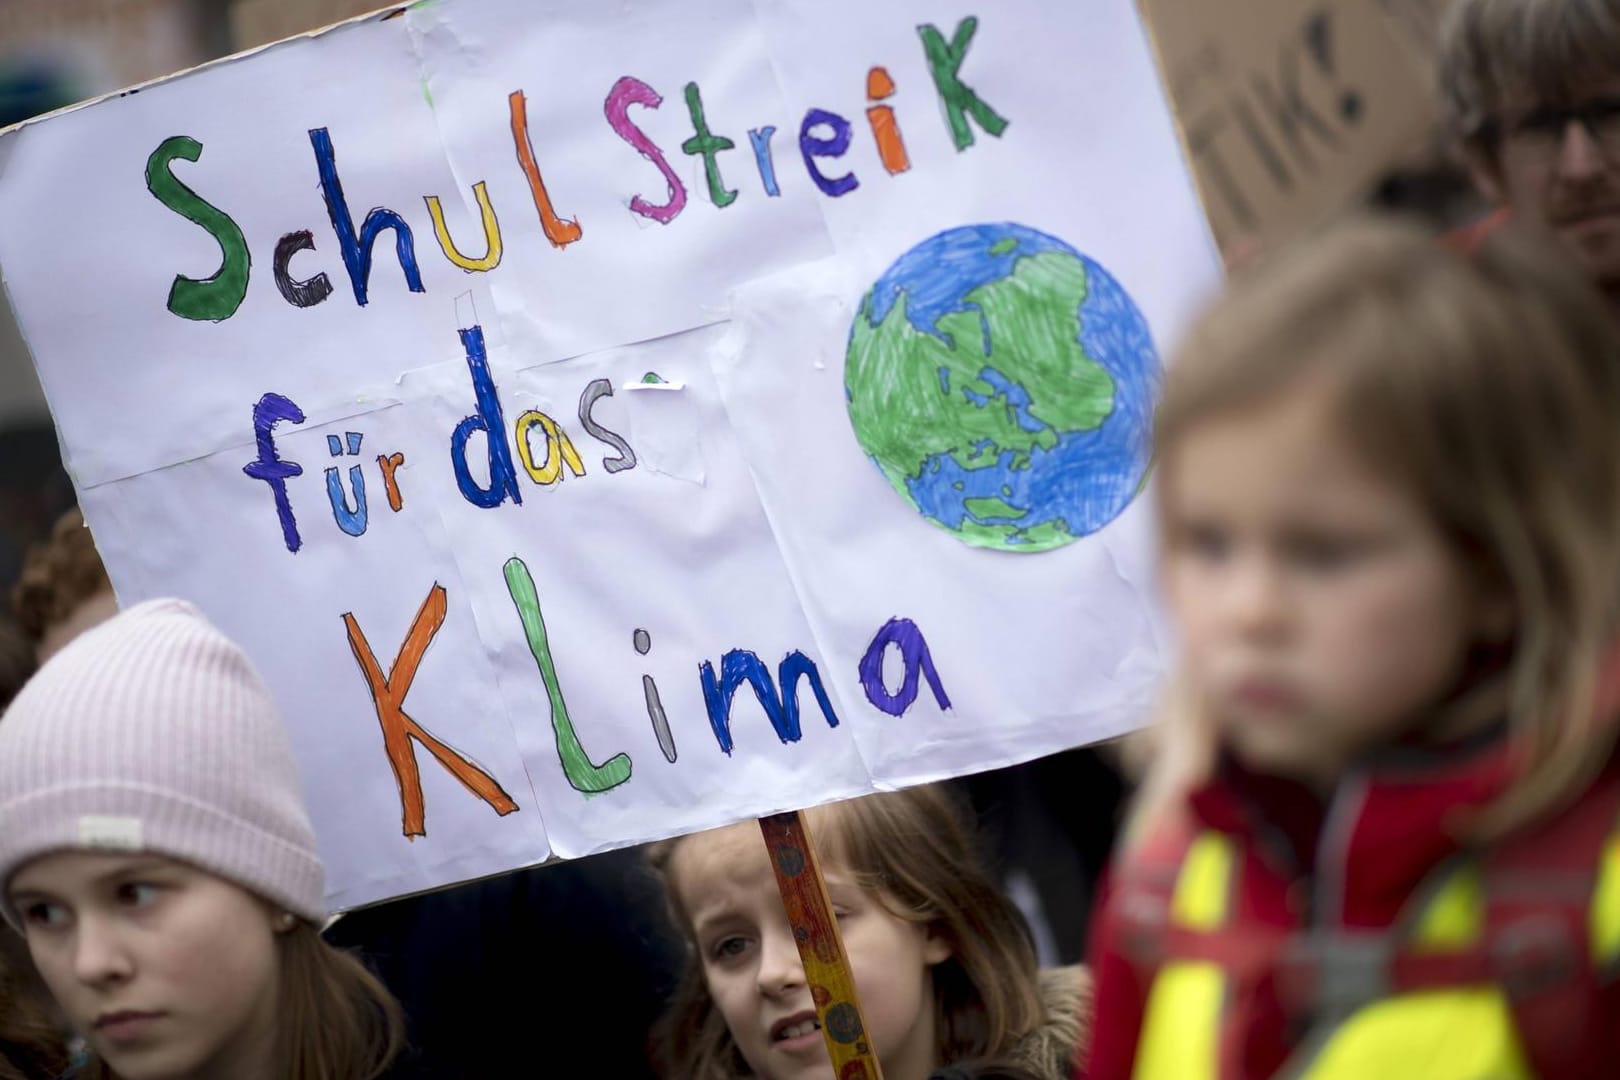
x=441 y=546
x=416 y=36
x=317 y=418
x=499 y=331
x=681 y=457
x=731 y=348
x=821 y=205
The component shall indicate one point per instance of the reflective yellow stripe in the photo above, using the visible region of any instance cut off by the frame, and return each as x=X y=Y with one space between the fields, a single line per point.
x=1605 y=913
x=1204 y=884
x=1181 y=1030
x=1444 y=1035
x=1455 y=917
x=1467 y=1033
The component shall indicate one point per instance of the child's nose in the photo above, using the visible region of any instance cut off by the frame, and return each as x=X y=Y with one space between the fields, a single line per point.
x=780 y=969
x=1579 y=156
x=1254 y=597
x=99 y=956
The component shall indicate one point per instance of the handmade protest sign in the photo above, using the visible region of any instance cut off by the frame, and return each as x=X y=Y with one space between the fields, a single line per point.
x=1418 y=22
x=1291 y=109
x=600 y=424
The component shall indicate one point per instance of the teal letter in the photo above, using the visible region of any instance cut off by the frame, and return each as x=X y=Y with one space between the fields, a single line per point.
x=214 y=299
x=586 y=777
x=945 y=60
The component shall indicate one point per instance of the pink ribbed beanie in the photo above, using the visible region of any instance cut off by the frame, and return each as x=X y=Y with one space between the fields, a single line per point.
x=153 y=733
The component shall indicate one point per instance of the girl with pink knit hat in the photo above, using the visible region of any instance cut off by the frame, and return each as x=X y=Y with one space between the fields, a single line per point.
x=156 y=853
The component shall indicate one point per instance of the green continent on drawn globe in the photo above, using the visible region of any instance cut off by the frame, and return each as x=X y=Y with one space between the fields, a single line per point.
x=1004 y=384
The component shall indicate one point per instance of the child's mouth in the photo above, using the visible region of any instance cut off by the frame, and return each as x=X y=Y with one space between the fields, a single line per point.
x=795 y=1027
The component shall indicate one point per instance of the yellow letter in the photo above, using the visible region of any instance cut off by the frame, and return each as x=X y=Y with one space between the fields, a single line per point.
x=492 y=232
x=559 y=448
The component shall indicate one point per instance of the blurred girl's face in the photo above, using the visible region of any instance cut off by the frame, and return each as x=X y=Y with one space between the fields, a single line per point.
x=724 y=883
x=169 y=971
x=1320 y=611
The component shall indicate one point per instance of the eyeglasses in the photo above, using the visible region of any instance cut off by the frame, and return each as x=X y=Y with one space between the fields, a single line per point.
x=1541 y=131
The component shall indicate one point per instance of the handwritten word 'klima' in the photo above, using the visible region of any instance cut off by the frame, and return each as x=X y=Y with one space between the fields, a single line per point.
x=778 y=697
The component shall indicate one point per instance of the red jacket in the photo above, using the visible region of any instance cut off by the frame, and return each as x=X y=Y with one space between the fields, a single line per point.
x=1471 y=237
x=1350 y=865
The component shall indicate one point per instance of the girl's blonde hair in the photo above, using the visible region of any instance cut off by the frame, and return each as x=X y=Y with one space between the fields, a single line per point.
x=913 y=850
x=1490 y=385
x=335 y=1020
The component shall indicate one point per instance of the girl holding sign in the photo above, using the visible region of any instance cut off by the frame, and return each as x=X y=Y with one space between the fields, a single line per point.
x=156 y=853
x=942 y=960
x=1383 y=839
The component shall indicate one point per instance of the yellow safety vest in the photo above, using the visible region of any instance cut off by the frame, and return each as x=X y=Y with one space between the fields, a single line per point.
x=1456 y=1032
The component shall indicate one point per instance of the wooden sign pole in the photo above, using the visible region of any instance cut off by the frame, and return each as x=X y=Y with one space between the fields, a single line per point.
x=821 y=949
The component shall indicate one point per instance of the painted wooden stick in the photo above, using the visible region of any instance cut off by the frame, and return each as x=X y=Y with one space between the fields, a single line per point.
x=821 y=949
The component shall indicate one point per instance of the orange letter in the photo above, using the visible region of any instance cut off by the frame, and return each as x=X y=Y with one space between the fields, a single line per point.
x=399 y=729
x=891 y=147
x=389 y=463
x=560 y=233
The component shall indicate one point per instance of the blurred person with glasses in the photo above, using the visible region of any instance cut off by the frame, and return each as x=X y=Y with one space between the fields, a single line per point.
x=1533 y=89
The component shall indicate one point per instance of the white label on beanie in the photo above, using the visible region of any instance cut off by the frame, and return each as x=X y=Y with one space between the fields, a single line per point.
x=112 y=833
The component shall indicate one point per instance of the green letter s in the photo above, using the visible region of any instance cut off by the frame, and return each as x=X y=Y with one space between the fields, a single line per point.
x=214 y=299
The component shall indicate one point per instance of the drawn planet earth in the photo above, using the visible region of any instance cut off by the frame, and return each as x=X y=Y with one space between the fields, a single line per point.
x=1004 y=385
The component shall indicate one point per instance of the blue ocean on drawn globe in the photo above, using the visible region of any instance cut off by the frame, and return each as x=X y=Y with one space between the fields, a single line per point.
x=1004 y=384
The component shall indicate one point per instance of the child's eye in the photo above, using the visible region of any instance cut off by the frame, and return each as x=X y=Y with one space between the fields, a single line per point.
x=138 y=894
x=45 y=915
x=1324 y=553
x=729 y=947
x=1203 y=541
